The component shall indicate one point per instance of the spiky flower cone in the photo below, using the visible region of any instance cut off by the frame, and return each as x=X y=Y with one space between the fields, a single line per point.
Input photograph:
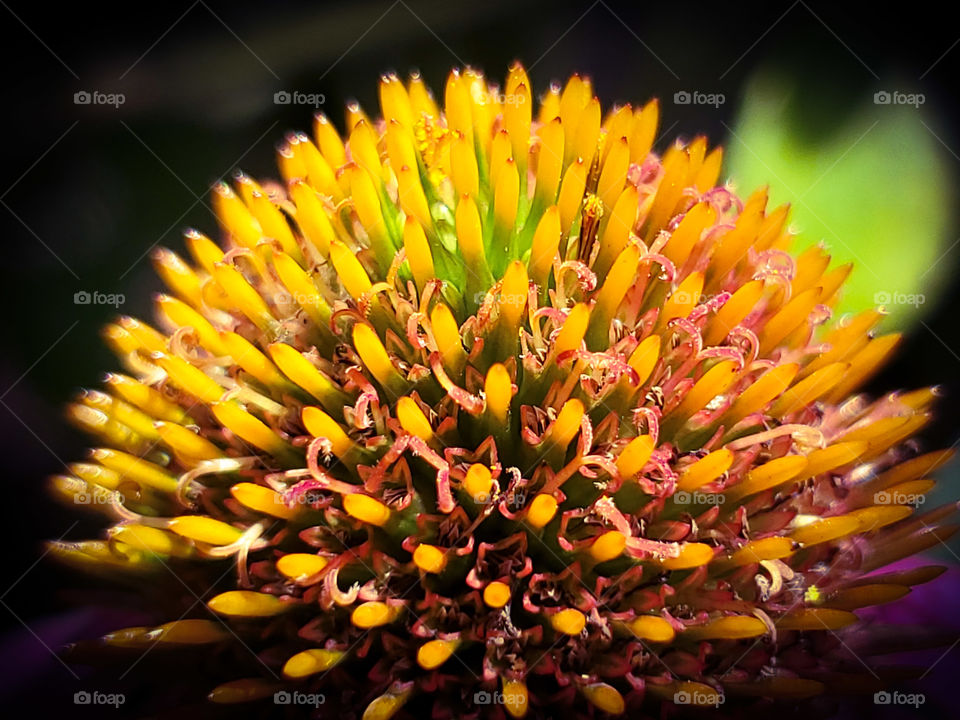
x=498 y=414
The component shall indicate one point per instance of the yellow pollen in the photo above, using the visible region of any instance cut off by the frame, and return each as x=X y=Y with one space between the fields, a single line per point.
x=365 y=202
x=182 y=315
x=301 y=565
x=691 y=555
x=513 y=295
x=618 y=281
x=740 y=304
x=567 y=424
x=374 y=356
x=247 y=603
x=479 y=483
x=608 y=546
x=430 y=558
x=716 y=381
x=644 y=130
x=249 y=428
x=705 y=470
x=150 y=539
x=302 y=289
x=204 y=250
x=412 y=419
x=833 y=457
x=262 y=499
x=251 y=360
x=186 y=443
x=616 y=235
x=496 y=594
x=826 y=530
x=363 y=148
x=412 y=200
x=463 y=166
x=328 y=140
x=550 y=161
x=311 y=216
x=614 y=172
x=731 y=627
x=386 y=706
x=687 y=234
x=178 y=276
x=311 y=662
x=546 y=240
x=605 y=698
x=234 y=216
x=189 y=378
x=435 y=653
x=644 y=358
x=769 y=475
x=568 y=621
x=204 y=529
x=499 y=392
x=366 y=509
x=652 y=628
x=136 y=469
x=148 y=399
x=447 y=334
x=541 y=510
x=470 y=233
x=571 y=193
x=634 y=456
x=418 y=252
x=768 y=386
x=319 y=424
x=683 y=299
x=788 y=319
x=244 y=297
x=809 y=389
x=372 y=614
x=756 y=551
x=354 y=278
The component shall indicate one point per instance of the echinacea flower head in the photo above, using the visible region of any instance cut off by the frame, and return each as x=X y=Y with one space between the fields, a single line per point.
x=491 y=410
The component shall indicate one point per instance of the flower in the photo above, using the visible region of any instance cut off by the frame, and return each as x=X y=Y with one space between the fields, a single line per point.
x=503 y=414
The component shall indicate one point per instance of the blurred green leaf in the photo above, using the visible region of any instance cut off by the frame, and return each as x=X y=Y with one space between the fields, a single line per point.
x=872 y=185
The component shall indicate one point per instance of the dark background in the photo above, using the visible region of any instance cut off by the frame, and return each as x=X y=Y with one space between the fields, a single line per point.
x=86 y=191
